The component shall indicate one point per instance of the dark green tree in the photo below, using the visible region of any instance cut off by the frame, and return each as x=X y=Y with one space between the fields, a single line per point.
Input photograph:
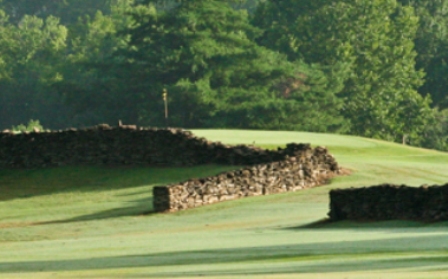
x=436 y=132
x=95 y=80
x=30 y=55
x=431 y=44
x=68 y=11
x=203 y=52
x=375 y=40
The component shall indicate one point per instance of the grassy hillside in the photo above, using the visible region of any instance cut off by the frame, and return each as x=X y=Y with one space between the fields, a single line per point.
x=94 y=222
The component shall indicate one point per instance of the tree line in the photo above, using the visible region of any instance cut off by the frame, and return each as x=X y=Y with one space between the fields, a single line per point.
x=362 y=67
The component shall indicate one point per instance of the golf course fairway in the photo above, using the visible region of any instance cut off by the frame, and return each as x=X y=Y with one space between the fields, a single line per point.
x=97 y=222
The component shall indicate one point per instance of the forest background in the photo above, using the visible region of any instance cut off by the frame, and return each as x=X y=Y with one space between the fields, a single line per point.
x=374 y=68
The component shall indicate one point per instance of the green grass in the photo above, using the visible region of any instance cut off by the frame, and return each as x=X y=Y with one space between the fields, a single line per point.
x=96 y=222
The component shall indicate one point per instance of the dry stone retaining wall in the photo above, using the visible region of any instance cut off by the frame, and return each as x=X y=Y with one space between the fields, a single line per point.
x=390 y=202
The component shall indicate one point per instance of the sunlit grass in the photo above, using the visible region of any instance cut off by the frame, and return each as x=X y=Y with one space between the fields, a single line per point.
x=96 y=222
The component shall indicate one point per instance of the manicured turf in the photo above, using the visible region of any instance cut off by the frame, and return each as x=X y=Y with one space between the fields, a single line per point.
x=93 y=222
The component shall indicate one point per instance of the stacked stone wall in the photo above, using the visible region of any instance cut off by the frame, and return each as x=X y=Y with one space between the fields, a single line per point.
x=298 y=166
x=306 y=168
x=127 y=145
x=390 y=202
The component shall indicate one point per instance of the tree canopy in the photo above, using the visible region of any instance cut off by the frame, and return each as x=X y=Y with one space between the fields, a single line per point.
x=371 y=68
x=205 y=54
x=374 y=39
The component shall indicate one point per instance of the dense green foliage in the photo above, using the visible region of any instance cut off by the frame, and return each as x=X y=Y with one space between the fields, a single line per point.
x=30 y=55
x=374 y=39
x=431 y=44
x=204 y=53
x=370 y=68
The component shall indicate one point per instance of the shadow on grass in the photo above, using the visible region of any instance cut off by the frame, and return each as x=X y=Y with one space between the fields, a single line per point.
x=421 y=252
x=142 y=207
x=35 y=182
x=368 y=225
x=371 y=265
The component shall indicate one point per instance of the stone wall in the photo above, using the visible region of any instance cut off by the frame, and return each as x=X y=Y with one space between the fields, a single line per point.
x=390 y=202
x=127 y=145
x=298 y=166
x=306 y=167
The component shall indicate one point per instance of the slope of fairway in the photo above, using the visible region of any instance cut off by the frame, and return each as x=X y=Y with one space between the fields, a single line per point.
x=96 y=222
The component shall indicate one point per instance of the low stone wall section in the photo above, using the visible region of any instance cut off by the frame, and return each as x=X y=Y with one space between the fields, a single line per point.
x=390 y=202
x=298 y=166
x=127 y=145
x=306 y=168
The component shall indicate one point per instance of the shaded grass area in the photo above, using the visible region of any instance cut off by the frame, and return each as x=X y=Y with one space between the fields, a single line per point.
x=322 y=257
x=30 y=183
x=93 y=222
x=71 y=194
